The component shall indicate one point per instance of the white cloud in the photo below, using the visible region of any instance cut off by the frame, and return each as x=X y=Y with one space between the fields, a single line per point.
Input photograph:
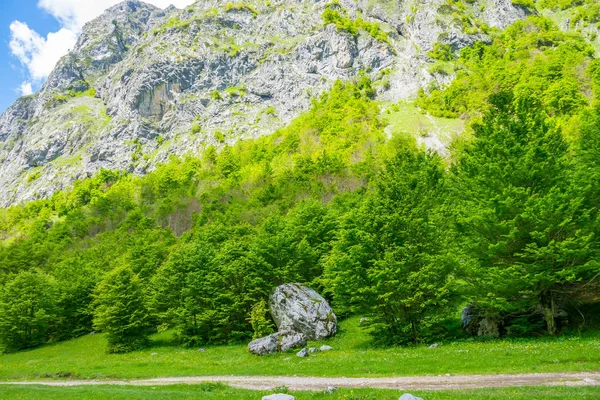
x=25 y=89
x=40 y=54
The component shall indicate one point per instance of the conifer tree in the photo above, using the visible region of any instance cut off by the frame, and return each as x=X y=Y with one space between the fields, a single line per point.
x=518 y=212
x=121 y=311
x=27 y=308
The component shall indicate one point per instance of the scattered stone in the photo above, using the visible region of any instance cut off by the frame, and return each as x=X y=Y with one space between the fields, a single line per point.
x=590 y=380
x=302 y=353
x=434 y=346
x=466 y=316
x=92 y=332
x=325 y=348
x=330 y=389
x=408 y=396
x=279 y=396
x=299 y=308
x=489 y=327
x=201 y=350
x=363 y=320
x=448 y=375
x=312 y=350
x=154 y=354
x=280 y=341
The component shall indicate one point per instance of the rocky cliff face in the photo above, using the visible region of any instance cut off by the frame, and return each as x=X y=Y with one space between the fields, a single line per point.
x=144 y=83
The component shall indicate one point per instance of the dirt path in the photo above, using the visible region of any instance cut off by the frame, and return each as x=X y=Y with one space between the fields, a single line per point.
x=314 y=383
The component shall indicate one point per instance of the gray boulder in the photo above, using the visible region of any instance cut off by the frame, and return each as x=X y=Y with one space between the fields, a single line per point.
x=489 y=327
x=301 y=309
x=325 y=348
x=279 y=396
x=277 y=342
x=302 y=353
x=408 y=396
x=466 y=316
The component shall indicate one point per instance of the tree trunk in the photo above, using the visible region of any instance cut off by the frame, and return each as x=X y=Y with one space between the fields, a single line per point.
x=549 y=309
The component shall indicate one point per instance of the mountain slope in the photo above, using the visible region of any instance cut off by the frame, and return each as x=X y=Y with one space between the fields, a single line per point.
x=144 y=83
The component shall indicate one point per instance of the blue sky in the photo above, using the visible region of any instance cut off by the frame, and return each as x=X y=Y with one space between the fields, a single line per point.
x=12 y=73
x=36 y=33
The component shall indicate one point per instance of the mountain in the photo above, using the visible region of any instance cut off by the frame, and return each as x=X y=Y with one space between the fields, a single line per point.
x=143 y=83
x=235 y=147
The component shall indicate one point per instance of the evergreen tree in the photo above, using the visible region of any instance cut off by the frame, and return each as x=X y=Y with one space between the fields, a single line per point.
x=391 y=260
x=121 y=312
x=518 y=212
x=27 y=309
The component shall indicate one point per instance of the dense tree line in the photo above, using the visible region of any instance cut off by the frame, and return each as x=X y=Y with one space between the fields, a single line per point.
x=382 y=227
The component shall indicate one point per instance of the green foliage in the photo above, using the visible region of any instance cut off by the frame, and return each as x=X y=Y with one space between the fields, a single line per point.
x=121 y=312
x=390 y=259
x=261 y=324
x=524 y=3
x=531 y=56
x=60 y=98
x=353 y=26
x=27 y=308
x=241 y=7
x=34 y=176
x=522 y=218
x=442 y=52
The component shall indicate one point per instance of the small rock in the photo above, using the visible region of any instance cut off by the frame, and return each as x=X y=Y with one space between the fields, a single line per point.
x=154 y=354
x=279 y=396
x=302 y=353
x=287 y=359
x=201 y=350
x=363 y=320
x=589 y=380
x=448 y=374
x=325 y=348
x=408 y=396
x=277 y=342
x=312 y=350
x=330 y=389
x=434 y=346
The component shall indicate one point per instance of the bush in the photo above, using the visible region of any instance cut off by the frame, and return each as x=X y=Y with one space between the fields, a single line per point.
x=261 y=324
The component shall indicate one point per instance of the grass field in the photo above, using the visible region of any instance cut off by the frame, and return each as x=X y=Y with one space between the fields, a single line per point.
x=221 y=392
x=353 y=356
x=406 y=117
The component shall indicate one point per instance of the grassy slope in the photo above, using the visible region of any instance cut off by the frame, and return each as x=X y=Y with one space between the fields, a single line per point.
x=220 y=392
x=406 y=117
x=352 y=357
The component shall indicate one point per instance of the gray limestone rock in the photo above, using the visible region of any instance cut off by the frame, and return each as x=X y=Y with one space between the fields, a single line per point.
x=279 y=396
x=301 y=309
x=277 y=342
x=302 y=353
x=489 y=327
x=408 y=396
x=139 y=73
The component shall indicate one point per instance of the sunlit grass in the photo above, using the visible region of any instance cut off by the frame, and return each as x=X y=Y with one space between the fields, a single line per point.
x=222 y=392
x=353 y=356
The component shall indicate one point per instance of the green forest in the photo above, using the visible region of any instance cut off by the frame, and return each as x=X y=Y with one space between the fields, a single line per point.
x=508 y=224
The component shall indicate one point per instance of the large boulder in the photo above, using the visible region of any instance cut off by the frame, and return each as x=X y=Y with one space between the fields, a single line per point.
x=280 y=341
x=299 y=308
